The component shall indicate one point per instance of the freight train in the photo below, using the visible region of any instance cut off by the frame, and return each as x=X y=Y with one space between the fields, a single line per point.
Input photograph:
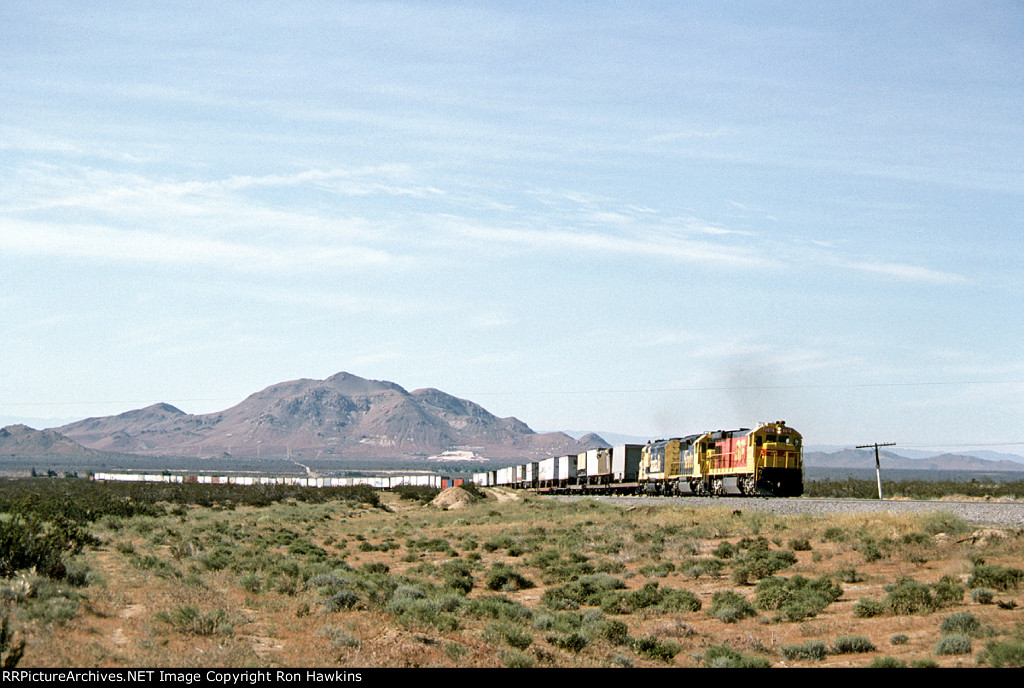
x=765 y=461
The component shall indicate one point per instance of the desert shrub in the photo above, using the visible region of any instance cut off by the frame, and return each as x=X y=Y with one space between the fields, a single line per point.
x=53 y=603
x=187 y=619
x=679 y=600
x=798 y=597
x=341 y=600
x=428 y=545
x=511 y=634
x=907 y=596
x=516 y=659
x=874 y=550
x=497 y=607
x=982 y=596
x=573 y=642
x=800 y=545
x=565 y=572
x=545 y=559
x=417 y=493
x=886 y=662
x=961 y=622
x=218 y=559
x=654 y=648
x=920 y=539
x=650 y=596
x=695 y=568
x=589 y=590
x=499 y=542
x=811 y=649
x=851 y=644
x=30 y=543
x=994 y=576
x=413 y=608
x=866 y=609
x=955 y=644
x=899 y=639
x=1003 y=654
x=947 y=591
x=723 y=657
x=251 y=582
x=459 y=584
x=729 y=607
x=848 y=575
x=658 y=570
x=944 y=522
x=834 y=534
x=339 y=637
x=760 y=562
x=614 y=631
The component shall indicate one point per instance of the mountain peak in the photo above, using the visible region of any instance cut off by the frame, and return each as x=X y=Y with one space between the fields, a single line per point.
x=349 y=384
x=344 y=416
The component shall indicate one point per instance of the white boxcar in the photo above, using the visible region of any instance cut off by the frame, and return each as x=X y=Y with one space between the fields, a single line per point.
x=547 y=470
x=626 y=462
x=566 y=469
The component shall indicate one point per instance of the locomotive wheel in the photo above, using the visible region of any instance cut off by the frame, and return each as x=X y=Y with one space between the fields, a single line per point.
x=748 y=485
x=717 y=487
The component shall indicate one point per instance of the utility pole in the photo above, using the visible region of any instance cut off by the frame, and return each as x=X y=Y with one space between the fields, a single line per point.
x=878 y=465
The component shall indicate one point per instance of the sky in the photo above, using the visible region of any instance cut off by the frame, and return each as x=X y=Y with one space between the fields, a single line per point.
x=644 y=218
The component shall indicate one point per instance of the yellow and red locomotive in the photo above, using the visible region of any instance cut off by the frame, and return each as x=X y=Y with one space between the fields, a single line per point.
x=767 y=460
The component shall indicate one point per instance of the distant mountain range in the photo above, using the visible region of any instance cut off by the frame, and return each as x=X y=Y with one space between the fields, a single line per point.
x=349 y=417
x=344 y=416
x=865 y=458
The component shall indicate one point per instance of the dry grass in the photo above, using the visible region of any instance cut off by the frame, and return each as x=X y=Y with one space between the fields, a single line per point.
x=337 y=585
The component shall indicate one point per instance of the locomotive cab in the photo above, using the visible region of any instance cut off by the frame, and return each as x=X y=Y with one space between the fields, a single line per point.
x=778 y=457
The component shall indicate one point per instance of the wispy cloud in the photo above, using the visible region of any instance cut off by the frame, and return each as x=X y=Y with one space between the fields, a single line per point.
x=125 y=246
x=907 y=273
x=644 y=242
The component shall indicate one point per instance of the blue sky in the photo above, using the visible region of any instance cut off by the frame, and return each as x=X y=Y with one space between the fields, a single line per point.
x=645 y=218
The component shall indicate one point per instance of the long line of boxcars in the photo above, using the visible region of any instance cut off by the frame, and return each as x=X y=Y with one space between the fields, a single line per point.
x=767 y=461
x=381 y=482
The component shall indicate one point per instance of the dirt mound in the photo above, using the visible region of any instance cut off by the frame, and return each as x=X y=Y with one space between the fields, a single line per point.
x=453 y=498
